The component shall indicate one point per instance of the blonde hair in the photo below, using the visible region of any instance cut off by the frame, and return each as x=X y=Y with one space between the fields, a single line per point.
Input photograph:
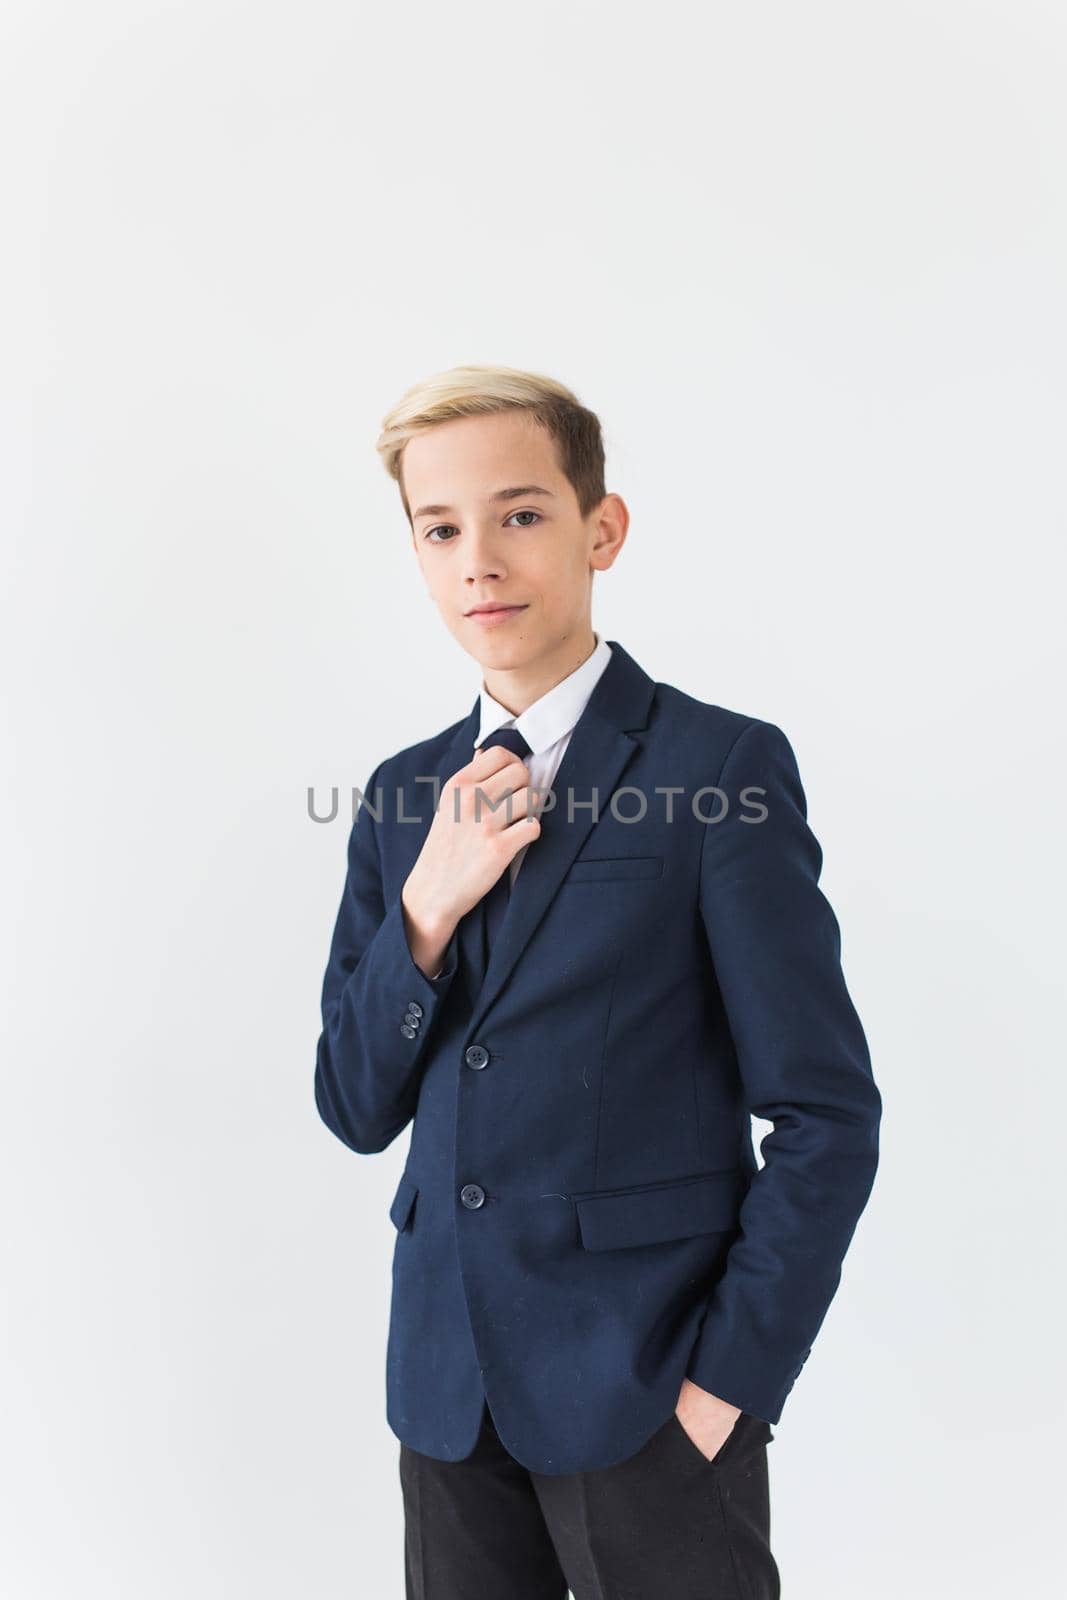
x=477 y=390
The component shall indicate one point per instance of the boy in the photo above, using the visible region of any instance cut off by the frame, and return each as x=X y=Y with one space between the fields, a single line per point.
x=581 y=943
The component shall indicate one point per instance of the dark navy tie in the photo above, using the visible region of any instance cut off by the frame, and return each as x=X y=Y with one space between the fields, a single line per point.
x=491 y=908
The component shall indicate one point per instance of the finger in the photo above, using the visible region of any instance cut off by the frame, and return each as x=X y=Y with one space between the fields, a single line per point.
x=493 y=758
x=500 y=804
x=511 y=776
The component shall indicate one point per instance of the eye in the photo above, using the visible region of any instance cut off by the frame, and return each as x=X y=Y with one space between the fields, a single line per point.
x=447 y=527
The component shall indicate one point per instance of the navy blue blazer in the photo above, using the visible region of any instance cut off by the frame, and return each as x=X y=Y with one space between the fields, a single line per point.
x=581 y=1222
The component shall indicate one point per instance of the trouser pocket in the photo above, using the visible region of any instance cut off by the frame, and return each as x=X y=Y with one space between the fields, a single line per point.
x=748 y=1434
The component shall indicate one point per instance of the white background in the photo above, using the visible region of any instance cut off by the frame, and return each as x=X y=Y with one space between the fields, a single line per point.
x=807 y=262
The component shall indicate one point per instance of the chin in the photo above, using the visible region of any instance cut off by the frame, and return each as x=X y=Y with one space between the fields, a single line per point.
x=502 y=654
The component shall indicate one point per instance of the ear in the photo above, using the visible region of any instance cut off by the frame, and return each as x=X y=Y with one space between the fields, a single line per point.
x=611 y=520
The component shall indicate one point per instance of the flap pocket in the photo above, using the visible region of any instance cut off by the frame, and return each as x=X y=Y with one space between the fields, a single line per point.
x=403 y=1200
x=599 y=867
x=653 y=1213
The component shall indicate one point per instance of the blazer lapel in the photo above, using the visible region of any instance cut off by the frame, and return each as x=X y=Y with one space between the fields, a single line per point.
x=601 y=744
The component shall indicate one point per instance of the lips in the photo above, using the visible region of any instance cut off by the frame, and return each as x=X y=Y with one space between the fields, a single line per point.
x=495 y=619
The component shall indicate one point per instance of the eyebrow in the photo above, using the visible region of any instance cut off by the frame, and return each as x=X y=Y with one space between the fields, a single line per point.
x=501 y=494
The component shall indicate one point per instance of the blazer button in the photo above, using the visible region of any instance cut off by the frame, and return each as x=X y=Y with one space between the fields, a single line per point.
x=411 y=1019
x=476 y=1056
x=407 y=1030
x=413 y=1005
x=472 y=1195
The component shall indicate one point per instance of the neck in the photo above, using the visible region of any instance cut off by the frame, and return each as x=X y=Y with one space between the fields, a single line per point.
x=515 y=688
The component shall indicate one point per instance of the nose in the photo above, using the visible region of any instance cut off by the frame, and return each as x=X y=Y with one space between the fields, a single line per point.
x=482 y=558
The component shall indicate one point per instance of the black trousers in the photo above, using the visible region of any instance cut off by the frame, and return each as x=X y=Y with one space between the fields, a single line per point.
x=666 y=1524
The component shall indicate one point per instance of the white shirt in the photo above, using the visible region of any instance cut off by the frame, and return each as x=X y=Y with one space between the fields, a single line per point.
x=547 y=725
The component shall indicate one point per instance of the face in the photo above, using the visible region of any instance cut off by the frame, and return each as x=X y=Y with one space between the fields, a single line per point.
x=495 y=522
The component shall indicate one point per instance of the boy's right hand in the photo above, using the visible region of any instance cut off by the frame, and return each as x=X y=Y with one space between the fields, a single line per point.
x=464 y=854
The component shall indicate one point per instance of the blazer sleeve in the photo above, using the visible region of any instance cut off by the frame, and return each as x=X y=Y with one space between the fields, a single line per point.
x=369 y=1059
x=804 y=1066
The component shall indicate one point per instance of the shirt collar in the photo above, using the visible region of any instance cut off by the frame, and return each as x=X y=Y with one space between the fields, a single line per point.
x=556 y=712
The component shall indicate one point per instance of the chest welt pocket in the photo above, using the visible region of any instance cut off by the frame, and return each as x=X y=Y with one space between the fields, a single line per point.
x=596 y=868
x=403 y=1202
x=609 y=1219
